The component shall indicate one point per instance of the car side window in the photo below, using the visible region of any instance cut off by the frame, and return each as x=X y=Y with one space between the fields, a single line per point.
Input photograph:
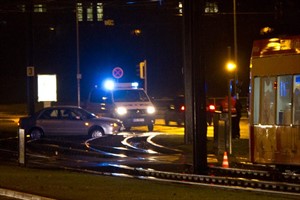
x=50 y=114
x=67 y=114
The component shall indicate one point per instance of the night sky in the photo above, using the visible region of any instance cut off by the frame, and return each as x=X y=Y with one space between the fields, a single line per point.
x=104 y=47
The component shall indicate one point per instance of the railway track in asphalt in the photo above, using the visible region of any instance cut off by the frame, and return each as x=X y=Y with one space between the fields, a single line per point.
x=290 y=189
x=80 y=157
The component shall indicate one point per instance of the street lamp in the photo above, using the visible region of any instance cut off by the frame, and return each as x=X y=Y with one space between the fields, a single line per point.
x=78 y=75
x=231 y=67
x=235 y=48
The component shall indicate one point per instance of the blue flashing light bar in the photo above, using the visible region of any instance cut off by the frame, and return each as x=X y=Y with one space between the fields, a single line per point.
x=135 y=85
x=111 y=85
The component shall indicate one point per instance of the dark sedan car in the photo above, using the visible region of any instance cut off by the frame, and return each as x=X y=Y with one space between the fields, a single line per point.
x=176 y=112
x=68 y=120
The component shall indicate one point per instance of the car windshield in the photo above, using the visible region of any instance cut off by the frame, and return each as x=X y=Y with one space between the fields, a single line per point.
x=130 y=96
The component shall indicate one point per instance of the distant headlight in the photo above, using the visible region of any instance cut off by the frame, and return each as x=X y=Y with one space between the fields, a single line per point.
x=121 y=110
x=150 y=110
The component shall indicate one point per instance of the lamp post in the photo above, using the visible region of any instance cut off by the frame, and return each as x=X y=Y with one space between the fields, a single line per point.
x=235 y=48
x=231 y=67
x=78 y=75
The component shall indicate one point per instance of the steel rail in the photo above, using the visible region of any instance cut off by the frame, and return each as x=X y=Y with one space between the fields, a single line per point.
x=255 y=185
x=239 y=183
x=266 y=173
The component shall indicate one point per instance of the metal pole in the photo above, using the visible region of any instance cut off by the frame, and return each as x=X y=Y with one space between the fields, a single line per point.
x=187 y=71
x=30 y=68
x=235 y=48
x=145 y=80
x=195 y=98
x=78 y=60
x=229 y=117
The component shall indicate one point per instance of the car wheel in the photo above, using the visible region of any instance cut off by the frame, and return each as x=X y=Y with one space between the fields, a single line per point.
x=127 y=128
x=96 y=132
x=150 y=127
x=36 y=134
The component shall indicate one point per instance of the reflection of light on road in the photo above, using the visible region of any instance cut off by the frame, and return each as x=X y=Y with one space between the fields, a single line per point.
x=106 y=164
x=122 y=175
x=150 y=136
x=149 y=140
x=175 y=130
x=165 y=158
x=86 y=143
x=9 y=138
x=126 y=143
x=120 y=148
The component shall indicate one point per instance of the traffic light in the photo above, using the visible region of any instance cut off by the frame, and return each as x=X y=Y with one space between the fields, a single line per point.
x=142 y=69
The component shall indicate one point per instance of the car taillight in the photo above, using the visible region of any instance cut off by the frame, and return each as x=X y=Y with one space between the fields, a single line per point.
x=182 y=108
x=211 y=107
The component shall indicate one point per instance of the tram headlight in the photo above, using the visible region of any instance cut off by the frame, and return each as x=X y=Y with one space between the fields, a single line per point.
x=150 y=110
x=121 y=110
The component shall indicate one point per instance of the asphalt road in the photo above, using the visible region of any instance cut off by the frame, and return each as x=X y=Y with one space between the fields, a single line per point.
x=174 y=129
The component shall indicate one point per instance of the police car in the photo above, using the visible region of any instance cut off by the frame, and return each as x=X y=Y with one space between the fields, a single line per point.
x=124 y=101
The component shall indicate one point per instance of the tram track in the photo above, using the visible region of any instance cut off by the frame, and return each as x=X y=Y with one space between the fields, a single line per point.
x=236 y=183
x=93 y=150
x=57 y=154
x=239 y=182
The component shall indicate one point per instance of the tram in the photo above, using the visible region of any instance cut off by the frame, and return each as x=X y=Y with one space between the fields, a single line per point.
x=274 y=107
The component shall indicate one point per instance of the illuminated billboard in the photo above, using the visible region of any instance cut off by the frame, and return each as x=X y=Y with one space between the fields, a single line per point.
x=47 y=90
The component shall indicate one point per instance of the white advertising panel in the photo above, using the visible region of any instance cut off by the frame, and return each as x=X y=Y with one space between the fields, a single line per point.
x=47 y=90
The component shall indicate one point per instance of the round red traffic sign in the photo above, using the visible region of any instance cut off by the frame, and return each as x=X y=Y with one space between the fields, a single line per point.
x=117 y=72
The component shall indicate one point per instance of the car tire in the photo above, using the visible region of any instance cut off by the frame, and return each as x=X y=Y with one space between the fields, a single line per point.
x=96 y=132
x=150 y=127
x=36 y=134
x=127 y=128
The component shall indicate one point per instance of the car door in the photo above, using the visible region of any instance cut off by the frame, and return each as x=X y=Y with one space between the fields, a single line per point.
x=73 y=124
x=50 y=122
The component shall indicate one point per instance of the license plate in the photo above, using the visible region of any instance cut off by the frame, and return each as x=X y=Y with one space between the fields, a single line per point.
x=138 y=120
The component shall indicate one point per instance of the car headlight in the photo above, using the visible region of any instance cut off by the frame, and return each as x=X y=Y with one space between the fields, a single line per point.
x=114 y=125
x=121 y=110
x=150 y=110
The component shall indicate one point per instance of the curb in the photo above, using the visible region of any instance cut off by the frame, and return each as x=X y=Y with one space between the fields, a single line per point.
x=21 y=195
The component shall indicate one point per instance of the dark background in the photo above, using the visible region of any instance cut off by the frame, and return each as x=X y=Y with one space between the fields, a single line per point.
x=104 y=47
